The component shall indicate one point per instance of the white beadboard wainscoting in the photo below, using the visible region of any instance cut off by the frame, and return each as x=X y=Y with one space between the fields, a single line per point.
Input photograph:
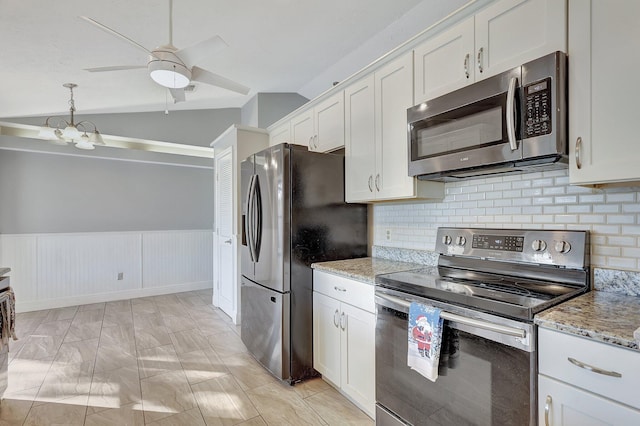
x=542 y=200
x=56 y=270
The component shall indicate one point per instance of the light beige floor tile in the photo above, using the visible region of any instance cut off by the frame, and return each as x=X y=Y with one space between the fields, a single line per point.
x=26 y=374
x=152 y=337
x=115 y=388
x=256 y=421
x=119 y=336
x=56 y=414
x=40 y=315
x=27 y=325
x=227 y=343
x=118 y=306
x=222 y=402
x=53 y=328
x=189 y=341
x=191 y=301
x=115 y=318
x=70 y=383
x=191 y=417
x=144 y=307
x=61 y=314
x=22 y=394
x=13 y=411
x=92 y=306
x=77 y=352
x=166 y=394
x=83 y=331
x=311 y=387
x=202 y=365
x=336 y=410
x=92 y=315
x=178 y=323
x=114 y=357
x=39 y=347
x=129 y=415
x=209 y=326
x=154 y=361
x=247 y=371
x=16 y=345
x=278 y=404
x=147 y=320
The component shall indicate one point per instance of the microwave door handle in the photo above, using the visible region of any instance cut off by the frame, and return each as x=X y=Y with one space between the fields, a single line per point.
x=510 y=114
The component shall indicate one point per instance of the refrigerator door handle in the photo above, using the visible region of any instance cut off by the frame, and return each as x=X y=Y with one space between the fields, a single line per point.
x=249 y=218
x=258 y=218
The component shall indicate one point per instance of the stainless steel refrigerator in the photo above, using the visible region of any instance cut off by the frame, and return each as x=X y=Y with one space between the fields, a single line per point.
x=293 y=214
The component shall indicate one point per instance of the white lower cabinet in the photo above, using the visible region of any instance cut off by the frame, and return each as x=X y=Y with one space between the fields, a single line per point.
x=344 y=337
x=582 y=382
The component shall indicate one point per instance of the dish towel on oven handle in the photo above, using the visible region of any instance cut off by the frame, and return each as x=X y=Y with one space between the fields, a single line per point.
x=425 y=340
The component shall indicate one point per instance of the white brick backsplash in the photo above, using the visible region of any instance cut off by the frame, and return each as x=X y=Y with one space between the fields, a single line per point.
x=541 y=200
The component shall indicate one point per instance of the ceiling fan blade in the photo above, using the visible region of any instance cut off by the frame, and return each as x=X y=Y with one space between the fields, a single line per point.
x=204 y=76
x=194 y=54
x=116 y=68
x=178 y=95
x=117 y=34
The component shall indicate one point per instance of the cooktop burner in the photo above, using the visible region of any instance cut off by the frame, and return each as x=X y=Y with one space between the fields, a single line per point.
x=491 y=276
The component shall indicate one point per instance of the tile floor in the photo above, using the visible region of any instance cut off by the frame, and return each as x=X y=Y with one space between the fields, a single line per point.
x=162 y=360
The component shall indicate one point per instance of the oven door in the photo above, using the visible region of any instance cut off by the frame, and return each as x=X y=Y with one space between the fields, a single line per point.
x=475 y=126
x=490 y=380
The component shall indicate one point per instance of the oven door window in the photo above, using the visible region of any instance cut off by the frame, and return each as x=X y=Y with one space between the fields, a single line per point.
x=469 y=127
x=483 y=383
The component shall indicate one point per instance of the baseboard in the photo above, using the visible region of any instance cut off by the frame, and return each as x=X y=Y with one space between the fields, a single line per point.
x=109 y=297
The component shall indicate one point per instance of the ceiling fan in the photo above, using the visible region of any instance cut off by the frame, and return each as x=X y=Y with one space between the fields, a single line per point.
x=175 y=68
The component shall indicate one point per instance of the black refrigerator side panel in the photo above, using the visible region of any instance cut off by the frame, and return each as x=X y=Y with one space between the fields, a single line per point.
x=323 y=228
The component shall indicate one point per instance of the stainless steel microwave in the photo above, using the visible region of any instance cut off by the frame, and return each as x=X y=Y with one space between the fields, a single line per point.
x=512 y=122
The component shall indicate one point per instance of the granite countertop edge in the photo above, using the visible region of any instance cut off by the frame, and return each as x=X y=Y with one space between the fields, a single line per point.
x=364 y=269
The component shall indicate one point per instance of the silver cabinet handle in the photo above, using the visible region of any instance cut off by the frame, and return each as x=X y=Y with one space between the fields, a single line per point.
x=547 y=408
x=343 y=321
x=466 y=65
x=592 y=368
x=510 y=114
x=311 y=142
x=378 y=182
x=315 y=141
x=335 y=318
x=370 y=183
x=336 y=288
x=480 y=54
x=579 y=152
x=228 y=241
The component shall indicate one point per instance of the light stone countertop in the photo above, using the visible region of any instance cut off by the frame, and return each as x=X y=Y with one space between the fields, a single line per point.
x=599 y=315
x=364 y=269
x=4 y=271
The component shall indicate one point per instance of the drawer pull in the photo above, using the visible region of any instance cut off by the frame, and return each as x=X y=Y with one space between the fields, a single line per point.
x=336 y=288
x=592 y=368
x=547 y=408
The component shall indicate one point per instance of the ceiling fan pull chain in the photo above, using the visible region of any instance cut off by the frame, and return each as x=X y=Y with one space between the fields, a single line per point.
x=171 y=22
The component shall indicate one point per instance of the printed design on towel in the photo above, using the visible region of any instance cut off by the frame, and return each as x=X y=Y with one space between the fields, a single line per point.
x=425 y=338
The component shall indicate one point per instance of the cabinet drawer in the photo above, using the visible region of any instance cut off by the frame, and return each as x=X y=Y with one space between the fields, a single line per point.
x=555 y=349
x=356 y=293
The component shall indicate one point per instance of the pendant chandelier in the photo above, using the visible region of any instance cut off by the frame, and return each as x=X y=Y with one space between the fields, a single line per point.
x=60 y=131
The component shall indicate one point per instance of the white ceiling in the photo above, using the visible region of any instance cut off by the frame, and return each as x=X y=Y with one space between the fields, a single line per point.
x=274 y=46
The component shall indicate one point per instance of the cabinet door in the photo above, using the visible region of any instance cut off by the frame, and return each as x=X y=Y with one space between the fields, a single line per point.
x=302 y=130
x=225 y=292
x=393 y=95
x=445 y=62
x=329 y=124
x=603 y=39
x=358 y=356
x=281 y=134
x=360 y=152
x=566 y=405
x=326 y=337
x=512 y=32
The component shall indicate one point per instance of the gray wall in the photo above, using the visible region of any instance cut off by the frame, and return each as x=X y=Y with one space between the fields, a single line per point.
x=264 y=109
x=194 y=127
x=42 y=193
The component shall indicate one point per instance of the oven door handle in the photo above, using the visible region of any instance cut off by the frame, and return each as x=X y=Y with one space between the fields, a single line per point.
x=502 y=329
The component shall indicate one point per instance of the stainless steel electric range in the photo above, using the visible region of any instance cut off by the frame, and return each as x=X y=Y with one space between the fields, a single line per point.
x=489 y=284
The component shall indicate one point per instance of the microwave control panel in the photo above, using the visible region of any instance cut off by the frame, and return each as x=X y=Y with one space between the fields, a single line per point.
x=537 y=103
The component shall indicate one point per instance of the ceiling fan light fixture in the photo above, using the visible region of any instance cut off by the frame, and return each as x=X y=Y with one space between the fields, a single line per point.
x=169 y=74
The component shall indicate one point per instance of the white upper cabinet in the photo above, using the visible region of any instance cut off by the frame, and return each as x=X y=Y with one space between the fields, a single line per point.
x=320 y=128
x=281 y=134
x=376 y=150
x=603 y=46
x=504 y=35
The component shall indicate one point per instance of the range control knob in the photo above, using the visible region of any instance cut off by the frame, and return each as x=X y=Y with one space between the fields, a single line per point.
x=446 y=240
x=460 y=240
x=563 y=247
x=538 y=245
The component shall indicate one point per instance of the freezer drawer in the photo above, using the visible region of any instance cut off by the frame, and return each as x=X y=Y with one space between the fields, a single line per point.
x=265 y=328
